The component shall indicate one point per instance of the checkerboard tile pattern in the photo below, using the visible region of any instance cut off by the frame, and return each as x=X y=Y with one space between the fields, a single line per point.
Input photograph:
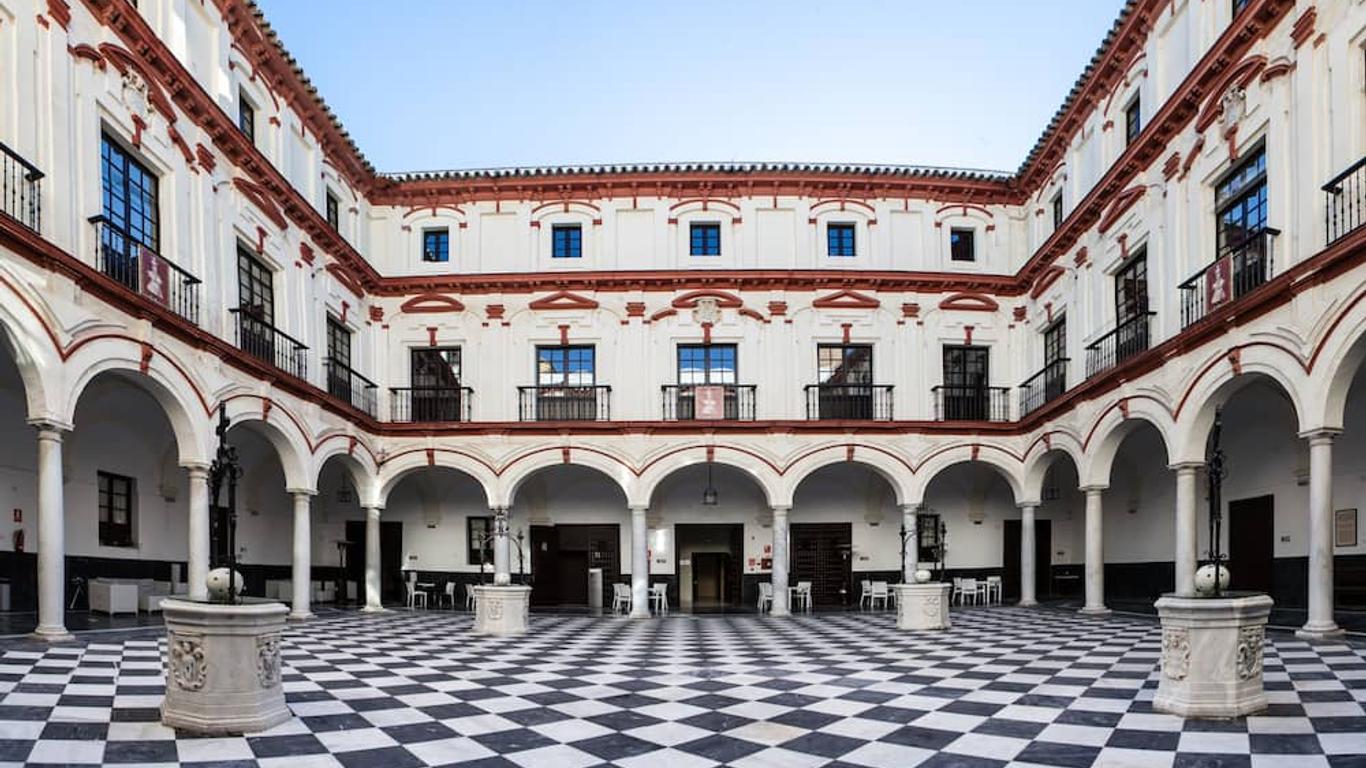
x=1004 y=687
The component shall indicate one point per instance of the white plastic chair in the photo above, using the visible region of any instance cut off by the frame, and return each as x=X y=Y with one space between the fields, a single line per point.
x=957 y=595
x=450 y=594
x=880 y=592
x=865 y=593
x=659 y=598
x=469 y=597
x=993 y=589
x=416 y=596
x=802 y=596
x=621 y=598
x=971 y=592
x=765 y=596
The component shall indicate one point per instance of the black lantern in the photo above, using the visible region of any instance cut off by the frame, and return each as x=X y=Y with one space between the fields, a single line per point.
x=709 y=495
x=223 y=533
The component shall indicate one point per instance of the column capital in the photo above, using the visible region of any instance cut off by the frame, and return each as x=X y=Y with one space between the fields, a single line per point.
x=781 y=509
x=912 y=508
x=304 y=492
x=377 y=510
x=1320 y=435
x=638 y=508
x=197 y=470
x=1096 y=489
x=1023 y=505
x=1186 y=466
x=52 y=428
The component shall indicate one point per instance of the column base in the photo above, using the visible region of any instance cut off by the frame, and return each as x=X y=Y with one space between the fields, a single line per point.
x=1328 y=631
x=639 y=615
x=305 y=616
x=1095 y=610
x=779 y=611
x=374 y=609
x=1027 y=603
x=56 y=634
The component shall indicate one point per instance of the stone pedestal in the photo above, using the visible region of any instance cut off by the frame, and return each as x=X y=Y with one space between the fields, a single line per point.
x=223 y=666
x=1212 y=655
x=922 y=606
x=501 y=610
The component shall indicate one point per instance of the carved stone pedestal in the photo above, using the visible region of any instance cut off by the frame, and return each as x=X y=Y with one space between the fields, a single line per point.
x=501 y=610
x=223 y=666
x=1212 y=655
x=922 y=606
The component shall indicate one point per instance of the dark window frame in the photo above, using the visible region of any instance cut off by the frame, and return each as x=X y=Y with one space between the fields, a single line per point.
x=1055 y=341
x=963 y=244
x=1058 y=213
x=130 y=197
x=713 y=370
x=567 y=354
x=255 y=286
x=474 y=556
x=1241 y=199
x=246 y=116
x=841 y=239
x=847 y=356
x=338 y=342
x=704 y=238
x=425 y=362
x=566 y=241
x=1131 y=287
x=436 y=245
x=1133 y=120
x=927 y=537
x=111 y=487
x=332 y=210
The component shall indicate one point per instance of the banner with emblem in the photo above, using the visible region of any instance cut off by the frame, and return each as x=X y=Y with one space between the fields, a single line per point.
x=155 y=276
x=1219 y=283
x=709 y=402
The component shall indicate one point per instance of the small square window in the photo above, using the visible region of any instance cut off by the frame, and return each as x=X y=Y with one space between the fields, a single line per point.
x=436 y=245
x=566 y=241
x=961 y=244
x=1133 y=124
x=840 y=239
x=705 y=239
x=333 y=211
x=246 y=117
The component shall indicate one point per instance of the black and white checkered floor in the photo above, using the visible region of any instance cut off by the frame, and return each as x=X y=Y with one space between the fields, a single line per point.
x=1004 y=687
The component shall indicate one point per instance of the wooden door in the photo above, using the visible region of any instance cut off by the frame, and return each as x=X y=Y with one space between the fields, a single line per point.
x=1251 y=545
x=822 y=554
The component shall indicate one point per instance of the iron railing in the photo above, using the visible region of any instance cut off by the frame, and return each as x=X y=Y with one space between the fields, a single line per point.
x=143 y=271
x=1235 y=273
x=1129 y=338
x=415 y=404
x=21 y=196
x=345 y=383
x=1043 y=386
x=1345 y=208
x=688 y=402
x=861 y=402
x=565 y=403
x=955 y=403
x=269 y=344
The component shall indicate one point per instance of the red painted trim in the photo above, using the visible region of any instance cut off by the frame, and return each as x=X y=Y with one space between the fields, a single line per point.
x=1122 y=202
x=430 y=303
x=969 y=302
x=846 y=299
x=563 y=300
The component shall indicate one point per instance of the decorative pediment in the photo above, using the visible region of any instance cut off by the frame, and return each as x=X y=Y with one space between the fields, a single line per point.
x=723 y=300
x=1122 y=202
x=431 y=304
x=344 y=277
x=1045 y=280
x=262 y=200
x=969 y=302
x=846 y=299
x=563 y=300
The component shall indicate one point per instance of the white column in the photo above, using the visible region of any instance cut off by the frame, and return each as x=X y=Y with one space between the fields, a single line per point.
x=1028 y=568
x=640 y=564
x=1095 y=550
x=780 y=594
x=1321 y=624
x=51 y=536
x=1187 y=558
x=198 y=566
x=502 y=551
x=910 y=561
x=302 y=576
x=372 y=597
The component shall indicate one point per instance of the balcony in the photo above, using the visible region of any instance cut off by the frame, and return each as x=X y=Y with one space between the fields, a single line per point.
x=853 y=402
x=1233 y=275
x=346 y=384
x=708 y=402
x=565 y=403
x=1345 y=208
x=20 y=189
x=269 y=344
x=143 y=271
x=971 y=403
x=1129 y=338
x=1043 y=387
x=430 y=404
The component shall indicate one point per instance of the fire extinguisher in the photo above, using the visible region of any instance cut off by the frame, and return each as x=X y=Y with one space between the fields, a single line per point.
x=19 y=540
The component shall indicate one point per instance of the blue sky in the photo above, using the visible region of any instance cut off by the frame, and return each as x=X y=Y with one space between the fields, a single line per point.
x=433 y=85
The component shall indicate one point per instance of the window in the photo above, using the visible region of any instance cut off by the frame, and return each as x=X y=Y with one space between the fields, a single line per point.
x=246 y=117
x=1054 y=359
x=961 y=245
x=338 y=342
x=845 y=363
x=1133 y=124
x=571 y=366
x=840 y=239
x=255 y=287
x=1239 y=5
x=116 y=509
x=435 y=376
x=436 y=244
x=129 y=205
x=706 y=364
x=927 y=532
x=966 y=382
x=479 y=536
x=845 y=388
x=333 y=211
x=1131 y=288
x=566 y=241
x=1240 y=203
x=705 y=239
x=1057 y=211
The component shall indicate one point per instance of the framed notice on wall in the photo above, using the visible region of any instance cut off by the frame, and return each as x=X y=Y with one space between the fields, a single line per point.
x=1345 y=528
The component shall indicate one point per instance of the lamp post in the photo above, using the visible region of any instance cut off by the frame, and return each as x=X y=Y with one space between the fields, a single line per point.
x=225 y=470
x=1214 y=465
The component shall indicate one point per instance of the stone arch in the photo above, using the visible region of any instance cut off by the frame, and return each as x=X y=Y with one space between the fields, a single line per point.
x=526 y=465
x=893 y=469
x=1336 y=363
x=395 y=469
x=1212 y=390
x=1038 y=463
x=290 y=445
x=357 y=463
x=994 y=457
x=756 y=469
x=1115 y=424
x=35 y=359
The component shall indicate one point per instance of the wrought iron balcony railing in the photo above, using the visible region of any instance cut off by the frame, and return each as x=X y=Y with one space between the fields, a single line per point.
x=143 y=271
x=1235 y=273
x=565 y=403
x=953 y=403
x=419 y=404
x=1131 y=337
x=269 y=344
x=1345 y=203
x=344 y=383
x=720 y=402
x=21 y=189
x=1043 y=386
x=860 y=402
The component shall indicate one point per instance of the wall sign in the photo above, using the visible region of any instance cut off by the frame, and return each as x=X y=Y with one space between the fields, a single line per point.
x=1345 y=528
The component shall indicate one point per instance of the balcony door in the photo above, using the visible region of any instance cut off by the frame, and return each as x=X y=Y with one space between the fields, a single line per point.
x=128 y=191
x=1240 y=210
x=566 y=378
x=1054 y=355
x=435 y=376
x=1131 y=307
x=706 y=365
x=846 y=381
x=966 y=379
x=256 y=302
x=339 y=353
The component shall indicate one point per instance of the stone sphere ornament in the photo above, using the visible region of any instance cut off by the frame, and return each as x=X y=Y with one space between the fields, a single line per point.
x=922 y=576
x=217 y=583
x=1204 y=580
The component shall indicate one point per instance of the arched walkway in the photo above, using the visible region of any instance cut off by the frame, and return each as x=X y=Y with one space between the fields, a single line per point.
x=846 y=527
x=433 y=529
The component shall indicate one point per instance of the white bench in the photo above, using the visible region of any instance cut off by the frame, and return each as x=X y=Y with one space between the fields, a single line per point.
x=113 y=598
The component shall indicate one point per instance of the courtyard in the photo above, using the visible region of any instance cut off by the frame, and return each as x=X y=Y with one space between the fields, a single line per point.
x=1004 y=686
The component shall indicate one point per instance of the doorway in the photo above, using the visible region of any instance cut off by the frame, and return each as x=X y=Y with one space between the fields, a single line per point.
x=561 y=556
x=1010 y=559
x=822 y=553
x=390 y=559
x=709 y=558
x=1251 y=548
